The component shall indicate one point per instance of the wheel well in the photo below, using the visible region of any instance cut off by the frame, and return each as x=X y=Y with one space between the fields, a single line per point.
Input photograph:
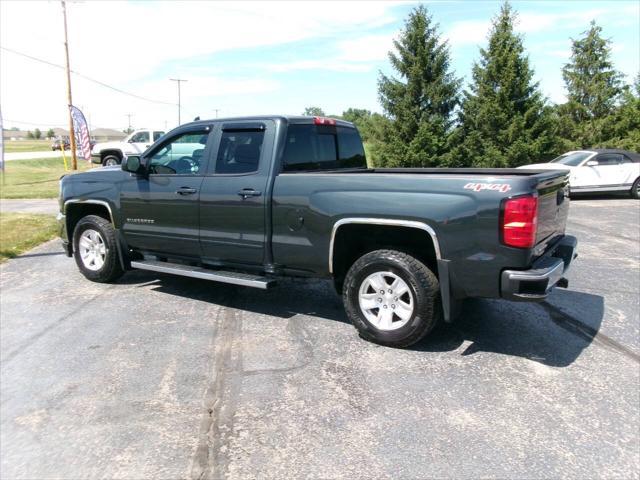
x=354 y=240
x=105 y=153
x=76 y=211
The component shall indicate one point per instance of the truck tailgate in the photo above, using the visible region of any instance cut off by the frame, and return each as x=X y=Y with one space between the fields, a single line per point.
x=553 y=209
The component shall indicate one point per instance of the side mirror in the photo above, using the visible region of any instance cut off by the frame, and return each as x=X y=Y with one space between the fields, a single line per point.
x=592 y=163
x=133 y=164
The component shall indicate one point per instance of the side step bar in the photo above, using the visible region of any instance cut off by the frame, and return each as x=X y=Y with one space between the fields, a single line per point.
x=246 y=280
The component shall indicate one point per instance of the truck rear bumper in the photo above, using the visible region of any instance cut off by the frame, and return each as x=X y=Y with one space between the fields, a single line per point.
x=536 y=283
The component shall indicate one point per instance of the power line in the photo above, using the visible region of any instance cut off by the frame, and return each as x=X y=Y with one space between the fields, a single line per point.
x=36 y=59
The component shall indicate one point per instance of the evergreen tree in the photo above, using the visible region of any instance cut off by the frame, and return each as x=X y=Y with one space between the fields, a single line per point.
x=593 y=85
x=594 y=88
x=504 y=121
x=419 y=105
x=623 y=126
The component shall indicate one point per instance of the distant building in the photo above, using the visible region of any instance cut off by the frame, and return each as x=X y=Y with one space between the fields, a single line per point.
x=98 y=134
x=60 y=133
x=14 y=134
x=107 y=134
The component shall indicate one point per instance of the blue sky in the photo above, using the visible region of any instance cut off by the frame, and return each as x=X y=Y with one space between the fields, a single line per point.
x=268 y=57
x=335 y=86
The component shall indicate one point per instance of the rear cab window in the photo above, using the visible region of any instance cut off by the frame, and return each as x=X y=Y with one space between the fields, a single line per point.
x=322 y=147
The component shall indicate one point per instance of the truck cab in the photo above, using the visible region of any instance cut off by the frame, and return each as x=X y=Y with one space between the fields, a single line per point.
x=112 y=153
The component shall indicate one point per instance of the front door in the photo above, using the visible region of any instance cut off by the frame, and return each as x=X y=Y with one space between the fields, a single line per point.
x=160 y=211
x=233 y=195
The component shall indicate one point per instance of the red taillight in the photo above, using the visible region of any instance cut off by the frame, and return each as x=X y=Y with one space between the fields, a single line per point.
x=324 y=121
x=520 y=222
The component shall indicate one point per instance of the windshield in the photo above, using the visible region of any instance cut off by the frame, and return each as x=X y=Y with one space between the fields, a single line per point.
x=572 y=159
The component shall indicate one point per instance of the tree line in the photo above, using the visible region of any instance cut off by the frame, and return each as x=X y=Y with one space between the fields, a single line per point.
x=502 y=119
x=37 y=134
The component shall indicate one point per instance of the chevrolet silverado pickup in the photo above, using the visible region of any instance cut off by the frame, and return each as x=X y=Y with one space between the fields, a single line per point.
x=247 y=201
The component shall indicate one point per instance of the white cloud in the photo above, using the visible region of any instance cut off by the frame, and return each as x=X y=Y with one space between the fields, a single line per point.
x=468 y=32
x=125 y=43
x=360 y=54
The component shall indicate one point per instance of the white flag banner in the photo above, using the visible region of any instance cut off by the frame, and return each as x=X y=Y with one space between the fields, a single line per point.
x=81 y=130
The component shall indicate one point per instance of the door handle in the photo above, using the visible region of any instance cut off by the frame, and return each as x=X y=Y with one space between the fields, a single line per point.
x=249 y=192
x=186 y=191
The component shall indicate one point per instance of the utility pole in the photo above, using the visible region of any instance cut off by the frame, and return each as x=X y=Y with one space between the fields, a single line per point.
x=216 y=110
x=178 y=80
x=129 y=115
x=72 y=136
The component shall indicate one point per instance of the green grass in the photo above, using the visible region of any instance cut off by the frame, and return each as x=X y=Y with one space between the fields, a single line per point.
x=20 y=232
x=27 y=145
x=34 y=178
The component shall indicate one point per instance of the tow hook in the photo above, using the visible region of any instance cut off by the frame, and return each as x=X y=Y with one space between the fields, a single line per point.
x=563 y=283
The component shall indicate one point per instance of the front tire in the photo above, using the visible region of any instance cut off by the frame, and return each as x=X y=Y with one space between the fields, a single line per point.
x=110 y=161
x=391 y=298
x=95 y=249
x=635 y=189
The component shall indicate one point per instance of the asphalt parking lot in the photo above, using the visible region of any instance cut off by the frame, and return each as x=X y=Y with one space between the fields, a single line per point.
x=165 y=377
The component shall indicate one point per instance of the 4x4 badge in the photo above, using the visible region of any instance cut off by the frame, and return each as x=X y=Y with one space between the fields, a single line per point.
x=496 y=187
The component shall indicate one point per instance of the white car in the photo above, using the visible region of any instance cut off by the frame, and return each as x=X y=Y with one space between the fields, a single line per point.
x=598 y=170
x=112 y=153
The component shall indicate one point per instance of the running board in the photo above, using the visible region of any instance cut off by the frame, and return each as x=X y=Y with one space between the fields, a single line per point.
x=244 y=279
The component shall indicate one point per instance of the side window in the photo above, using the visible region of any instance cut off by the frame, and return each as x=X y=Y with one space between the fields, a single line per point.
x=351 y=148
x=140 y=137
x=157 y=135
x=319 y=147
x=607 y=159
x=181 y=155
x=239 y=152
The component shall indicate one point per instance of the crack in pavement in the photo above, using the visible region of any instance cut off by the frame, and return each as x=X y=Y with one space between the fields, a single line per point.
x=220 y=397
x=584 y=331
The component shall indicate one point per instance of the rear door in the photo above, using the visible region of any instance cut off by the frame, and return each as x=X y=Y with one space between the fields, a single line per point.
x=233 y=196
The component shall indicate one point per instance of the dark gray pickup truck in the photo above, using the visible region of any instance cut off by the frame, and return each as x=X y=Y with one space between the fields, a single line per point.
x=248 y=200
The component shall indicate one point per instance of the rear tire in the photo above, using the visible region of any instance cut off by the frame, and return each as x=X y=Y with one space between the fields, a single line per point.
x=404 y=316
x=635 y=189
x=110 y=161
x=95 y=249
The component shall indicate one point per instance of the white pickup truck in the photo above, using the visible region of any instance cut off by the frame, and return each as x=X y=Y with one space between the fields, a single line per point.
x=112 y=153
